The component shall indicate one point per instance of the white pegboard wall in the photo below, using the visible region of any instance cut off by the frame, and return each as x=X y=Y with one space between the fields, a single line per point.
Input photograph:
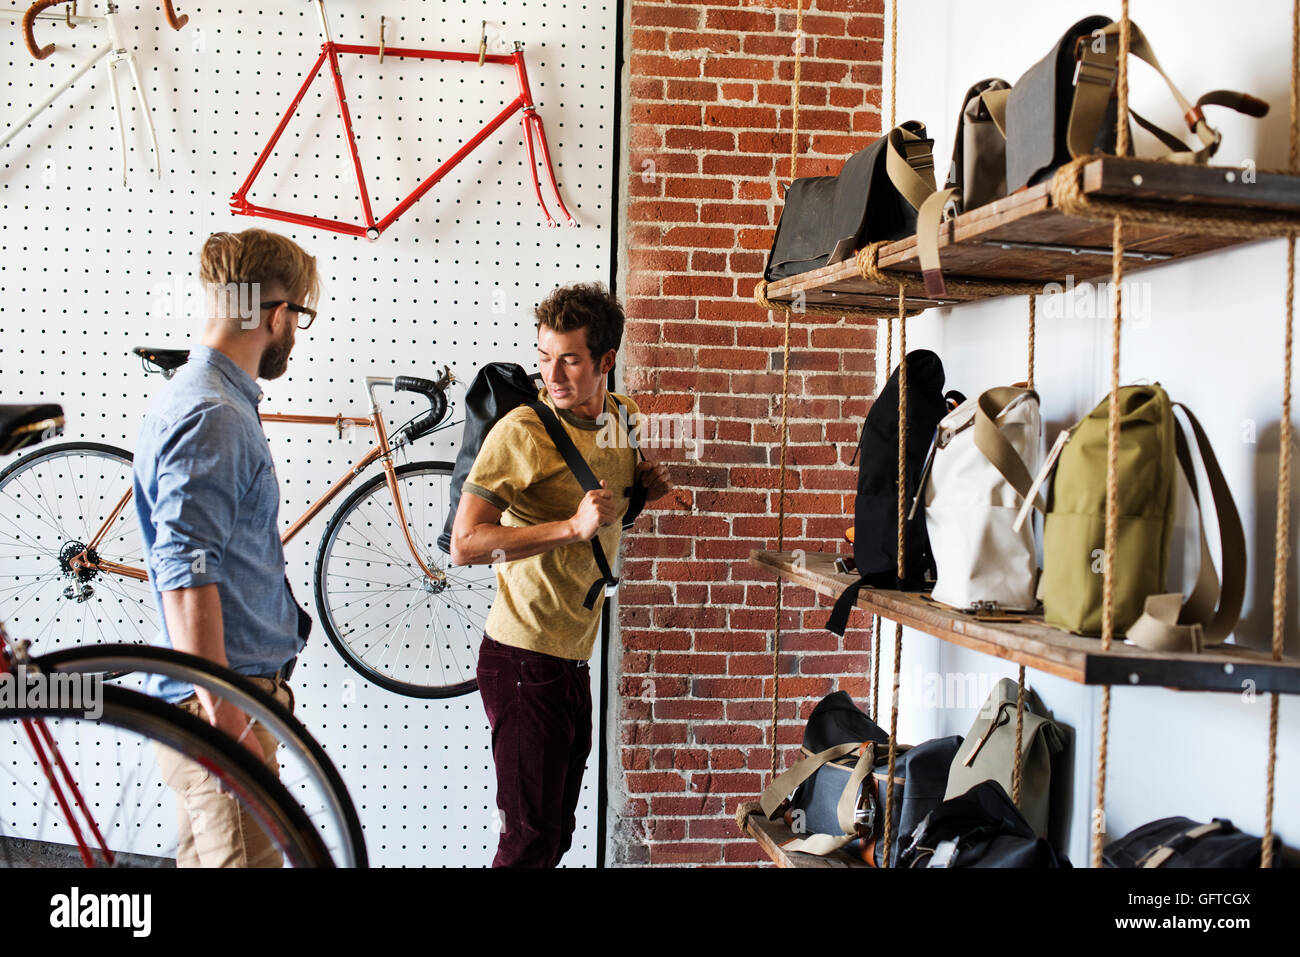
x=92 y=268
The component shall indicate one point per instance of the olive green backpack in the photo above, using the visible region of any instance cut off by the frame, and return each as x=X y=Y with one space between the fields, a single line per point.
x=1153 y=449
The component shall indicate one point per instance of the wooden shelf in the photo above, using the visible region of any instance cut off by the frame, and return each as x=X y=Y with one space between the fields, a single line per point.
x=1025 y=238
x=1036 y=645
x=770 y=835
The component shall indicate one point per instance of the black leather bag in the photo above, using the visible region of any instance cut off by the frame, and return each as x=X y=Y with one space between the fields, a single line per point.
x=498 y=388
x=826 y=219
x=875 y=510
x=1182 y=842
x=981 y=828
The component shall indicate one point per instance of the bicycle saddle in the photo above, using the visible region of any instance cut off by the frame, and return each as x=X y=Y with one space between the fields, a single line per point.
x=168 y=360
x=22 y=425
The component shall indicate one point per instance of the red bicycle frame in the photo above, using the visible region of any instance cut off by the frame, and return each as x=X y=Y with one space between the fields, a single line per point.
x=531 y=121
x=48 y=756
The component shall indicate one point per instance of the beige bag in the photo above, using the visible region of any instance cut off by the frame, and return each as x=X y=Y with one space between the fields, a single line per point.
x=990 y=746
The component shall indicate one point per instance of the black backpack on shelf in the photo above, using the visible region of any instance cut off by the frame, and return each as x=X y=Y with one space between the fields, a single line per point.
x=498 y=388
x=981 y=828
x=875 y=511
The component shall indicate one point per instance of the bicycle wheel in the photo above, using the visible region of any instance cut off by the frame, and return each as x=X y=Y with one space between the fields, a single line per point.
x=113 y=760
x=52 y=503
x=305 y=769
x=400 y=629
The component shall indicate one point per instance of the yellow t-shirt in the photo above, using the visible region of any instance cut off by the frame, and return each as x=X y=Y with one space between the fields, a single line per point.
x=520 y=471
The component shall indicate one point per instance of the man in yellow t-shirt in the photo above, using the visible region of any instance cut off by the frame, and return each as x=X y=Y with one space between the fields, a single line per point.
x=527 y=513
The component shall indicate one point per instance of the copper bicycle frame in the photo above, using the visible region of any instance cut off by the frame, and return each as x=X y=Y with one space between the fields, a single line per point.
x=380 y=450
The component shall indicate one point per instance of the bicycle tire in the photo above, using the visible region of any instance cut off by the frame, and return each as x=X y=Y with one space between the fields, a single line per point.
x=120 y=659
x=281 y=818
x=40 y=596
x=465 y=595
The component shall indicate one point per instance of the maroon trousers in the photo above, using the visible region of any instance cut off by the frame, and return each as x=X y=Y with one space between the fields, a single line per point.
x=539 y=708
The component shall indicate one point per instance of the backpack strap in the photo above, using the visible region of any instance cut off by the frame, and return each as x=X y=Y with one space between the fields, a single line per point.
x=636 y=492
x=839 y=619
x=587 y=479
x=1211 y=611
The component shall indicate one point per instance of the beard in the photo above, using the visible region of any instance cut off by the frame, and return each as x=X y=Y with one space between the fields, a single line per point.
x=275 y=360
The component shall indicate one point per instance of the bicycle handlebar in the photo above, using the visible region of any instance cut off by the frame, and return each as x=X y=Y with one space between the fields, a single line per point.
x=431 y=390
x=174 y=21
x=29 y=21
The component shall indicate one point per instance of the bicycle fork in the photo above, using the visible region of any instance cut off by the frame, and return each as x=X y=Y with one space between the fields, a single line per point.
x=50 y=758
x=532 y=123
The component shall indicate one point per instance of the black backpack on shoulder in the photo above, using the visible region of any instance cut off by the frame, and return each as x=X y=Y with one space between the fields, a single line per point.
x=875 y=511
x=500 y=387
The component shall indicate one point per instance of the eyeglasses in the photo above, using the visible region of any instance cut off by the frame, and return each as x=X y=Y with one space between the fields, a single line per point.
x=294 y=307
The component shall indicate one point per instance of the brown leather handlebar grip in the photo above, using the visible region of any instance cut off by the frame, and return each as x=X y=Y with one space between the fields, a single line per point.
x=175 y=21
x=29 y=21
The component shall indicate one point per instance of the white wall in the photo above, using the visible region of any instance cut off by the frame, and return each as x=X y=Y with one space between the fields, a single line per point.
x=1213 y=338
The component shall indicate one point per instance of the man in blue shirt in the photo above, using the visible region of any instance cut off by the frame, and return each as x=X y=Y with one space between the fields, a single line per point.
x=208 y=502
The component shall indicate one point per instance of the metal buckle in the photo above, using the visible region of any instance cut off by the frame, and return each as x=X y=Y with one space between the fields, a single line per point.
x=864 y=818
x=1094 y=73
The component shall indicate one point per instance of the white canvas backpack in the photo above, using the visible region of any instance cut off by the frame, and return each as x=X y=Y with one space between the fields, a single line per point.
x=984 y=457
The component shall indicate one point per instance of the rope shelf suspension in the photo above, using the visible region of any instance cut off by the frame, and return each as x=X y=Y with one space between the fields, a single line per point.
x=1068 y=194
x=1281 y=541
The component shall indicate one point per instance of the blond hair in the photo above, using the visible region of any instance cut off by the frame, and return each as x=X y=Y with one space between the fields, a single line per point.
x=256 y=256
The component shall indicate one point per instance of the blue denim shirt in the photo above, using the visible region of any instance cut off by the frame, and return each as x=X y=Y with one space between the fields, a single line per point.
x=208 y=501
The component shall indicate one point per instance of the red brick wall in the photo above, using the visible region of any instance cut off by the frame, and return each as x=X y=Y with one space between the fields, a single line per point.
x=709 y=118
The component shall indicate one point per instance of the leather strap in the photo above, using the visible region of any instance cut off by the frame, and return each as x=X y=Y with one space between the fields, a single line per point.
x=1161 y=853
x=1212 y=610
x=928 y=221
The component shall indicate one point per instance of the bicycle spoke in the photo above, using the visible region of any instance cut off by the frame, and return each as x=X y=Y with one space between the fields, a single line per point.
x=410 y=632
x=410 y=609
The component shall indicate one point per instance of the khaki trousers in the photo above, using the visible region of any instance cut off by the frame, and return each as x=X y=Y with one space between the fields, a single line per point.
x=215 y=829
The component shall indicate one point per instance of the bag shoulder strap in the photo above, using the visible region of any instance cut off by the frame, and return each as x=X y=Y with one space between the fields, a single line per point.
x=636 y=492
x=587 y=479
x=1211 y=611
x=909 y=162
x=995 y=101
x=995 y=446
x=775 y=795
x=1097 y=69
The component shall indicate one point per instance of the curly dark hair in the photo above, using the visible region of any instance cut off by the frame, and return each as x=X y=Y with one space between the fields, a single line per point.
x=587 y=306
